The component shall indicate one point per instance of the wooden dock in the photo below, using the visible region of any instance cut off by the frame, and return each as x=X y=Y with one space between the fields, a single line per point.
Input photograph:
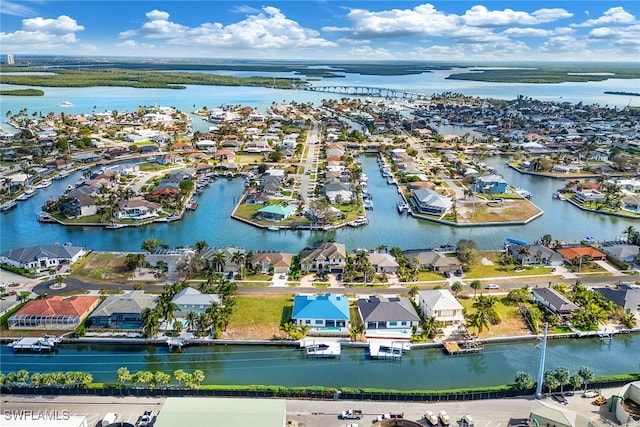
x=453 y=348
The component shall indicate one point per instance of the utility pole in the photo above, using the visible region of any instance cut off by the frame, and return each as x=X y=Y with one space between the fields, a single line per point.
x=543 y=354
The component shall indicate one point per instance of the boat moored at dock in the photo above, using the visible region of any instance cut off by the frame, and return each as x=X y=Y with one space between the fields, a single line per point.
x=36 y=344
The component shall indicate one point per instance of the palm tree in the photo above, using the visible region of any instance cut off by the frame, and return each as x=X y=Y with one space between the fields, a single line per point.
x=218 y=260
x=150 y=323
x=191 y=320
x=239 y=258
x=288 y=328
x=475 y=285
x=456 y=288
x=586 y=374
x=550 y=381
x=563 y=376
x=430 y=326
x=413 y=291
x=629 y=231
x=524 y=253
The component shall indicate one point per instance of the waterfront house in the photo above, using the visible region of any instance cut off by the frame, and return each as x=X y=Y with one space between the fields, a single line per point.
x=42 y=257
x=275 y=212
x=192 y=300
x=329 y=257
x=535 y=255
x=387 y=313
x=571 y=254
x=137 y=209
x=554 y=301
x=56 y=312
x=79 y=206
x=433 y=260
x=631 y=203
x=442 y=305
x=491 y=184
x=625 y=296
x=275 y=262
x=228 y=255
x=324 y=314
x=622 y=251
x=588 y=195
x=383 y=263
x=122 y=311
x=339 y=192
x=429 y=202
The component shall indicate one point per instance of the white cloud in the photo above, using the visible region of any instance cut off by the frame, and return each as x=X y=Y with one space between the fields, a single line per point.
x=43 y=35
x=562 y=44
x=157 y=15
x=612 y=16
x=60 y=25
x=269 y=29
x=526 y=32
x=423 y=20
x=370 y=53
x=132 y=44
x=15 y=9
x=480 y=16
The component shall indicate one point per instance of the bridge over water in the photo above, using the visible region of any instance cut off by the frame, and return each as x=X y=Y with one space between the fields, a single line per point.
x=378 y=92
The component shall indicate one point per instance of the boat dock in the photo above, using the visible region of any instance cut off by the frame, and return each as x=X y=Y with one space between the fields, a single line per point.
x=37 y=344
x=175 y=343
x=323 y=349
x=381 y=350
x=453 y=348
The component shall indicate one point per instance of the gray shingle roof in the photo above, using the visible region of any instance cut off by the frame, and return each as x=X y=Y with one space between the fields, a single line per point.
x=33 y=253
x=129 y=302
x=380 y=309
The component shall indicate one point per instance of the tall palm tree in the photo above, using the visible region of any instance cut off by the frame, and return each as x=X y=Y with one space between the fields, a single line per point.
x=218 y=260
x=239 y=258
x=475 y=285
x=191 y=320
x=629 y=231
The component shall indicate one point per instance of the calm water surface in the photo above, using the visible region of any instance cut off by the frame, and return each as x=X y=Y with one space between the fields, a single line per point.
x=418 y=369
x=212 y=222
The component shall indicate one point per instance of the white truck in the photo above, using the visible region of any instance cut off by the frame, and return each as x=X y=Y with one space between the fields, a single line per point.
x=431 y=418
x=145 y=419
x=109 y=418
x=351 y=414
x=444 y=418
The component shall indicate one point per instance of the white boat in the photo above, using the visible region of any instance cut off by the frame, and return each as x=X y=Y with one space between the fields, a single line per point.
x=44 y=184
x=65 y=104
x=28 y=193
x=272 y=228
x=402 y=206
x=47 y=343
x=8 y=205
x=114 y=225
x=321 y=349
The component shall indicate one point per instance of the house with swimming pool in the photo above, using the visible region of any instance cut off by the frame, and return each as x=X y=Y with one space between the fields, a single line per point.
x=122 y=311
x=388 y=317
x=326 y=314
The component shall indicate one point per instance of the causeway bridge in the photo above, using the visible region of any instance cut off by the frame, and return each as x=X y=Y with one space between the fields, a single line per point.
x=378 y=92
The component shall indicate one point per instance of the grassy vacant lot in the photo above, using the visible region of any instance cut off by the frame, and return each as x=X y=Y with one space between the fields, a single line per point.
x=480 y=270
x=258 y=317
x=100 y=267
x=512 y=323
x=510 y=210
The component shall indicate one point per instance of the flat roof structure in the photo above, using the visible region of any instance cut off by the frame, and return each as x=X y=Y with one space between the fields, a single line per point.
x=228 y=412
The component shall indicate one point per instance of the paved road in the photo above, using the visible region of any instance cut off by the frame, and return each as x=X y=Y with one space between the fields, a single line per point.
x=317 y=413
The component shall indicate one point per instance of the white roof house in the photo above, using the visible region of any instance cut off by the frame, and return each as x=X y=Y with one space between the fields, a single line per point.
x=190 y=299
x=442 y=305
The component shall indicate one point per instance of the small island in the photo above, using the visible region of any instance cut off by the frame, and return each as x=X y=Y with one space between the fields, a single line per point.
x=22 y=92
x=615 y=92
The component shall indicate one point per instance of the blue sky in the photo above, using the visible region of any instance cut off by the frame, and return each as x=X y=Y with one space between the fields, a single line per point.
x=328 y=29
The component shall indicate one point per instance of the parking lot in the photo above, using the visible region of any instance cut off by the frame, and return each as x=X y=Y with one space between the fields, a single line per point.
x=317 y=413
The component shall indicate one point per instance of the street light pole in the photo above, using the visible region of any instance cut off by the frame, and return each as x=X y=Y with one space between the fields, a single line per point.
x=543 y=354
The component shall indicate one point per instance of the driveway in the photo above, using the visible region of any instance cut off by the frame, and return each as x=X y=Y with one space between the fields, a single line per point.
x=611 y=269
x=277 y=281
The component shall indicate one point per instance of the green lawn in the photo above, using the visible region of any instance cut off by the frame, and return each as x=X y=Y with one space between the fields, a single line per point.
x=429 y=276
x=260 y=316
x=479 y=270
x=511 y=322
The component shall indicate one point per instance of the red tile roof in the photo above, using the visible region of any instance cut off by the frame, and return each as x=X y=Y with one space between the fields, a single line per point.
x=77 y=305
x=572 y=253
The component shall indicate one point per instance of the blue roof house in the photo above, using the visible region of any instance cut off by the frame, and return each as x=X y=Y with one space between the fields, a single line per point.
x=326 y=314
x=491 y=184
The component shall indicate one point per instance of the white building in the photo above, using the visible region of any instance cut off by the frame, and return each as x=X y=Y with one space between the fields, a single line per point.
x=442 y=305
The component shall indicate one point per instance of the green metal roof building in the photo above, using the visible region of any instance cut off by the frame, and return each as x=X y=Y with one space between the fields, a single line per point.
x=219 y=412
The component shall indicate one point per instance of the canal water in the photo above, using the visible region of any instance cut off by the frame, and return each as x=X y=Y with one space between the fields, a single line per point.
x=212 y=222
x=288 y=366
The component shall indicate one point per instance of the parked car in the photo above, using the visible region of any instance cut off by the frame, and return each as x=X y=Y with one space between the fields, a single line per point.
x=447 y=274
x=145 y=419
x=458 y=273
x=283 y=276
x=559 y=398
x=590 y=394
x=351 y=414
x=431 y=418
x=492 y=286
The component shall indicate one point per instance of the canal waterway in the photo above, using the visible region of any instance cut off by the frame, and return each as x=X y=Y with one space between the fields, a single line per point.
x=212 y=222
x=288 y=366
